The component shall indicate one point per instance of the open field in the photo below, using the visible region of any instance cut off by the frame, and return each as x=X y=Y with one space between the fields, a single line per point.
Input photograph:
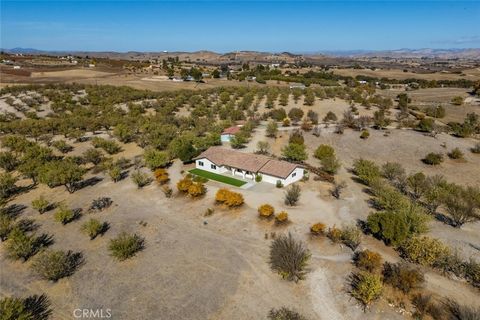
x=469 y=74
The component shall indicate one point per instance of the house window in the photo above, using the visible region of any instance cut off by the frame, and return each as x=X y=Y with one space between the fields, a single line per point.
x=200 y=163
x=294 y=174
x=214 y=167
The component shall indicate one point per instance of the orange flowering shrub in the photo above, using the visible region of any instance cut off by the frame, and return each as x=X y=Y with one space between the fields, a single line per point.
x=234 y=199
x=368 y=260
x=282 y=217
x=161 y=176
x=221 y=195
x=334 y=234
x=266 y=211
x=184 y=184
x=229 y=198
x=317 y=229
x=196 y=189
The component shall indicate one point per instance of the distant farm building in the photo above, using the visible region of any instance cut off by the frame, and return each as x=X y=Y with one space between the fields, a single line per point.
x=228 y=133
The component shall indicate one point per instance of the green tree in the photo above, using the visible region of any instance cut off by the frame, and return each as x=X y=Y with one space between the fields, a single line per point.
x=156 y=159
x=61 y=172
x=272 y=129
x=294 y=152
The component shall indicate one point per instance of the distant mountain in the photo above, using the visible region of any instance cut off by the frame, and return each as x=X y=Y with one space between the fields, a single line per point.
x=240 y=56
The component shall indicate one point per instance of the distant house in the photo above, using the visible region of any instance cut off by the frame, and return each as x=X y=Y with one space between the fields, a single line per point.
x=16 y=67
x=362 y=82
x=297 y=86
x=228 y=133
x=177 y=79
x=251 y=78
x=247 y=165
x=189 y=78
x=91 y=65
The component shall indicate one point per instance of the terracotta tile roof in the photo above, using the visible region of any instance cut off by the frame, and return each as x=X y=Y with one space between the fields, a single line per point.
x=248 y=161
x=278 y=168
x=231 y=130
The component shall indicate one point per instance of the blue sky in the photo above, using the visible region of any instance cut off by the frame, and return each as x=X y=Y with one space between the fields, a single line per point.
x=295 y=26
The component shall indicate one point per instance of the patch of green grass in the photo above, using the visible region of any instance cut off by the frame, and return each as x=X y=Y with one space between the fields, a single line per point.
x=217 y=177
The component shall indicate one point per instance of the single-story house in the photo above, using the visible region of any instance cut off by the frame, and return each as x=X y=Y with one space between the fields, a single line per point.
x=247 y=165
x=228 y=133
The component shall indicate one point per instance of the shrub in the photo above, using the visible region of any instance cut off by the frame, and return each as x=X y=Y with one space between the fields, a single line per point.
x=161 y=176
x=334 y=234
x=284 y=314
x=462 y=204
x=93 y=156
x=65 y=215
x=368 y=260
x=258 y=178
x=196 y=189
x=324 y=151
x=110 y=146
x=366 y=287
x=366 y=170
x=229 y=198
x=281 y=218
x=394 y=226
x=436 y=112
x=426 y=125
x=461 y=312
x=141 y=179
x=266 y=211
x=156 y=159
x=424 y=250
x=41 y=204
x=402 y=277
x=392 y=171
x=317 y=229
x=294 y=152
x=476 y=148
x=292 y=195
x=93 y=228
x=7 y=185
x=365 y=134
x=433 y=159
x=457 y=100
x=101 y=203
x=330 y=164
x=351 y=237
x=167 y=191
x=289 y=257
x=330 y=116
x=20 y=245
x=456 y=153
x=31 y=308
x=62 y=146
x=8 y=161
x=279 y=184
x=54 y=265
x=184 y=184
x=125 y=245
x=221 y=195
x=115 y=173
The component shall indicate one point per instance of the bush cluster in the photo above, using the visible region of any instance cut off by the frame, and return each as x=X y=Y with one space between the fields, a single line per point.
x=266 y=211
x=229 y=198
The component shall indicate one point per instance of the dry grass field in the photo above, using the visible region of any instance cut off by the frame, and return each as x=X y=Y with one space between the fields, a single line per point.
x=469 y=74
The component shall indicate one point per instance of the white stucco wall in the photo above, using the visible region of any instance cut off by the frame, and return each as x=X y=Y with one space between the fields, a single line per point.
x=298 y=172
x=207 y=166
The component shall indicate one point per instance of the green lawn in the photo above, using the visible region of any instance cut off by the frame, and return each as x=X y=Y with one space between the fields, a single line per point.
x=217 y=177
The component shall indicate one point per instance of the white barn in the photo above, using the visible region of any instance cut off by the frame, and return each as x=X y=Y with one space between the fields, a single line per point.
x=248 y=166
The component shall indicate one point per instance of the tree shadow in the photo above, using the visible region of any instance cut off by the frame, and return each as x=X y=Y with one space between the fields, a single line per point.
x=103 y=229
x=14 y=210
x=75 y=261
x=445 y=219
x=38 y=306
x=43 y=241
x=88 y=182
x=27 y=225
